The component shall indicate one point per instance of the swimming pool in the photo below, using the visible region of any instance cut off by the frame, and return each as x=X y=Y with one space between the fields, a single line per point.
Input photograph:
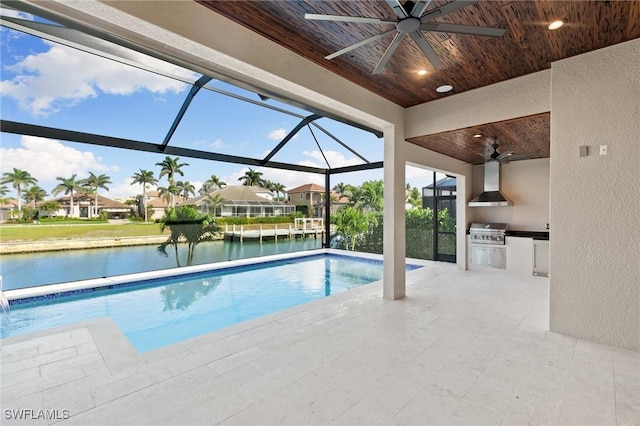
x=159 y=312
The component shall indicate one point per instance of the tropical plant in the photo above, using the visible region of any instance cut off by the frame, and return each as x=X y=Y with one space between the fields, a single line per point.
x=340 y=189
x=350 y=224
x=187 y=226
x=168 y=193
x=185 y=188
x=94 y=183
x=28 y=214
x=3 y=190
x=50 y=207
x=67 y=186
x=144 y=178
x=19 y=179
x=370 y=195
x=213 y=201
x=279 y=189
x=251 y=178
x=412 y=197
x=170 y=167
x=34 y=194
x=211 y=184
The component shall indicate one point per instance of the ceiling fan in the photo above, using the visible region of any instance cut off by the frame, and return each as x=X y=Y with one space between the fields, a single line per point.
x=504 y=157
x=412 y=21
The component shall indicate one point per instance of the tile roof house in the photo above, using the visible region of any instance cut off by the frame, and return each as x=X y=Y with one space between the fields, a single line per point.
x=312 y=196
x=83 y=207
x=242 y=201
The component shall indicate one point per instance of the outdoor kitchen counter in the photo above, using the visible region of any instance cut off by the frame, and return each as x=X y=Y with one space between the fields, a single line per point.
x=536 y=235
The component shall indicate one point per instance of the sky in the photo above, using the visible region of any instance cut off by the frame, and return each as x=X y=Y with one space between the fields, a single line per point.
x=53 y=85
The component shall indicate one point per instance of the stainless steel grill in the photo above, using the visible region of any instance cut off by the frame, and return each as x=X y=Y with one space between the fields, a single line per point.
x=487 y=233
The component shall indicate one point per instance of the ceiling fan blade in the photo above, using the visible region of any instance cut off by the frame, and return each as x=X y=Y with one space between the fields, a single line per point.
x=446 y=9
x=505 y=155
x=358 y=44
x=426 y=48
x=419 y=7
x=462 y=29
x=517 y=157
x=340 y=18
x=398 y=8
x=387 y=54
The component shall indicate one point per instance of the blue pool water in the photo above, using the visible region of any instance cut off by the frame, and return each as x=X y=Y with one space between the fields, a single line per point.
x=157 y=313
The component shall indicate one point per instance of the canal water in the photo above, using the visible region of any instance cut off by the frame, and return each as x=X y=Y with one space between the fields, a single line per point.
x=33 y=269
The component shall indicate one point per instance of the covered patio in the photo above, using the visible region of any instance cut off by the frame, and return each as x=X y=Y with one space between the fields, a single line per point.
x=465 y=348
x=462 y=347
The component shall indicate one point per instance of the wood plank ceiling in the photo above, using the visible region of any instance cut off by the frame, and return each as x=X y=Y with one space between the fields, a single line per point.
x=469 y=61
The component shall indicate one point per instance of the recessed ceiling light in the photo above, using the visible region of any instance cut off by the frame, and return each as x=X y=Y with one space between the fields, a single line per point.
x=444 y=88
x=477 y=135
x=422 y=72
x=555 y=24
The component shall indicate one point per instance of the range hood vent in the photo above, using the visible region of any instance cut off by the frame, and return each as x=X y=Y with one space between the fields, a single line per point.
x=491 y=197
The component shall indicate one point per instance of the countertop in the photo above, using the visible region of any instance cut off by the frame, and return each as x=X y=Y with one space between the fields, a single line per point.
x=536 y=235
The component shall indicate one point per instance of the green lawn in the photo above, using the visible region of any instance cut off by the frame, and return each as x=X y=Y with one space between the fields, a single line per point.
x=34 y=232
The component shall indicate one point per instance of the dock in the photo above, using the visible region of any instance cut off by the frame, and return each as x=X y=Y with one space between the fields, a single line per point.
x=302 y=228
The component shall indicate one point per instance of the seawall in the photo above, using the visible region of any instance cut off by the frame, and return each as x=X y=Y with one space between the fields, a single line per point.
x=15 y=247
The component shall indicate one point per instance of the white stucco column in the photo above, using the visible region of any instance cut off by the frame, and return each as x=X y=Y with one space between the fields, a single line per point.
x=394 y=214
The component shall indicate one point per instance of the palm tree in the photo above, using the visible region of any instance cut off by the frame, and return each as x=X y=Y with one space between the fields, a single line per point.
x=170 y=167
x=185 y=188
x=370 y=195
x=168 y=193
x=18 y=179
x=251 y=177
x=267 y=184
x=144 y=178
x=50 y=207
x=279 y=188
x=187 y=225
x=340 y=189
x=213 y=201
x=34 y=194
x=67 y=186
x=95 y=183
x=3 y=190
x=211 y=185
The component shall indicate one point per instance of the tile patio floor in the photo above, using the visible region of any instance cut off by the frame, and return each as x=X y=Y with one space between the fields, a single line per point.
x=463 y=348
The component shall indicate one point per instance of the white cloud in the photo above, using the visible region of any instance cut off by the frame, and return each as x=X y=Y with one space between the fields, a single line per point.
x=46 y=159
x=62 y=76
x=279 y=134
x=415 y=173
x=217 y=143
x=123 y=189
x=335 y=159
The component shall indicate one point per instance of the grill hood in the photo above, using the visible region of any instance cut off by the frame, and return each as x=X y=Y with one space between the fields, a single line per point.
x=491 y=197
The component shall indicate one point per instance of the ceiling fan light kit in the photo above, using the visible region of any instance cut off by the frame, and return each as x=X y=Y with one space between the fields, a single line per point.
x=413 y=21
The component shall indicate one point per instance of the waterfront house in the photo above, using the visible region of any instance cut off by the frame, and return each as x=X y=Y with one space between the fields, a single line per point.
x=310 y=196
x=241 y=201
x=84 y=206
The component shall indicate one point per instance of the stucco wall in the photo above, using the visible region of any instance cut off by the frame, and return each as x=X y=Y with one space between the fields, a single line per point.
x=595 y=200
x=526 y=183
